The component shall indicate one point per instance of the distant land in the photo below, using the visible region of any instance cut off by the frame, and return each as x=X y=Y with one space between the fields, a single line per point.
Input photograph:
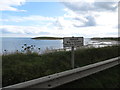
x=47 y=38
x=94 y=38
x=106 y=38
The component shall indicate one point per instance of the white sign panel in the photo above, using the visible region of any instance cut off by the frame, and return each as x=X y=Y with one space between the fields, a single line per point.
x=73 y=41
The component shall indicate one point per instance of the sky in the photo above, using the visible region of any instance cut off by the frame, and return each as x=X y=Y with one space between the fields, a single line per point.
x=21 y=18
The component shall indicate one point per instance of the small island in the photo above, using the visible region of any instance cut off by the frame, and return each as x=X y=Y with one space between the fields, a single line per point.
x=47 y=38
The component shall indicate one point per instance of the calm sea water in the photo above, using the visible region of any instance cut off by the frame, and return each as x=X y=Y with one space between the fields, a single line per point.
x=13 y=44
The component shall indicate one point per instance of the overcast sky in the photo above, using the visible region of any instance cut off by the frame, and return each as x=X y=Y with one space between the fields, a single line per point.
x=20 y=18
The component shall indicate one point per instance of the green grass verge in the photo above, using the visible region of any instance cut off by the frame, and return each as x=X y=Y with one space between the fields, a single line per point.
x=19 y=67
x=109 y=78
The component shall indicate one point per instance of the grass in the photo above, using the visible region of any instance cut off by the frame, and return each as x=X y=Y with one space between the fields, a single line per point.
x=108 y=78
x=20 y=67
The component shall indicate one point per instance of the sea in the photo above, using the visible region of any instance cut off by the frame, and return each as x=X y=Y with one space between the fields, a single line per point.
x=12 y=44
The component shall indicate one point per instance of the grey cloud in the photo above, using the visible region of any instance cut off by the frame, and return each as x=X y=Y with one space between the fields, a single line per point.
x=104 y=6
x=84 y=7
x=5 y=31
x=96 y=6
x=57 y=24
x=41 y=33
x=77 y=26
x=78 y=6
x=79 y=19
x=76 y=18
x=44 y=33
x=90 y=22
x=114 y=33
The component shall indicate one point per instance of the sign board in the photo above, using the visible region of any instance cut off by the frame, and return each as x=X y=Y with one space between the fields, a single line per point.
x=72 y=41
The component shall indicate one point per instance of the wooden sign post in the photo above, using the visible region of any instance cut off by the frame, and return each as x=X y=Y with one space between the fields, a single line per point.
x=72 y=58
x=72 y=42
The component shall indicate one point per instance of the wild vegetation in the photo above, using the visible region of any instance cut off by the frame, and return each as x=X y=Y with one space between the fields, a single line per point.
x=20 y=67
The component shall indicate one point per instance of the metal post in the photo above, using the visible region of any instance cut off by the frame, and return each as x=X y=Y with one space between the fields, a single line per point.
x=72 y=58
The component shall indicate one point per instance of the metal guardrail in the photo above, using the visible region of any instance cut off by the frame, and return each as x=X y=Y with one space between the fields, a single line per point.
x=61 y=78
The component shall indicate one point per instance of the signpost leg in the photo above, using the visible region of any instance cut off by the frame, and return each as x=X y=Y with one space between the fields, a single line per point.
x=72 y=59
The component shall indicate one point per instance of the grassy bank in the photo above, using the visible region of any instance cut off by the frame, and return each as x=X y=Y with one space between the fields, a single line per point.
x=47 y=38
x=109 y=78
x=20 y=67
x=106 y=38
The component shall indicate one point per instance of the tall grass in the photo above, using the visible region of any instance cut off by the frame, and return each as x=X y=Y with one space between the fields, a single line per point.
x=20 y=67
x=92 y=55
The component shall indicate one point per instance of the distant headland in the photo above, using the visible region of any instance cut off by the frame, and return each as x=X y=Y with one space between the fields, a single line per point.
x=106 y=38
